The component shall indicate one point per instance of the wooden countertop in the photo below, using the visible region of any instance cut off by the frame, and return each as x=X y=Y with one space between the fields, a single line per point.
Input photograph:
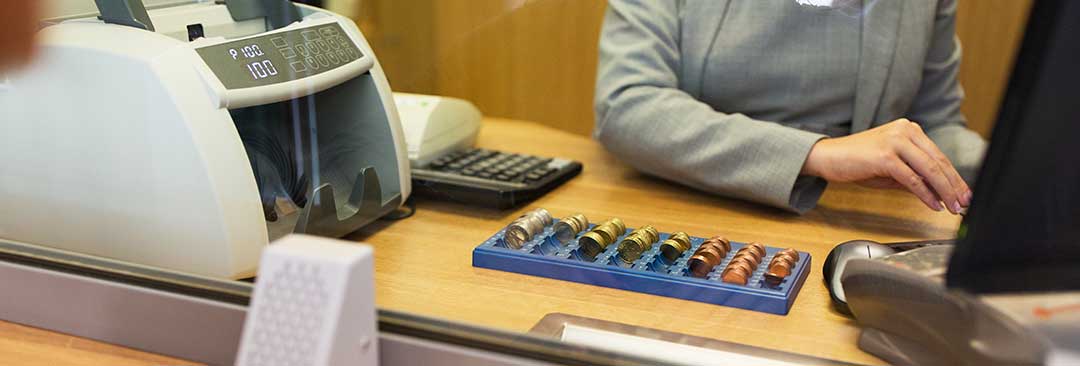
x=423 y=264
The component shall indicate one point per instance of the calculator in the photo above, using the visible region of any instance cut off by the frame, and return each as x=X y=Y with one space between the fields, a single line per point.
x=490 y=178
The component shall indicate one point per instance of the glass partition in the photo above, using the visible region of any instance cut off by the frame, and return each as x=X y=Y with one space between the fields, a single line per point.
x=799 y=124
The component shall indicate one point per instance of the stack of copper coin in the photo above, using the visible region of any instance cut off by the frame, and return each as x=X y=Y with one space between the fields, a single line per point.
x=600 y=237
x=742 y=266
x=674 y=246
x=525 y=227
x=637 y=242
x=708 y=255
x=568 y=228
x=780 y=266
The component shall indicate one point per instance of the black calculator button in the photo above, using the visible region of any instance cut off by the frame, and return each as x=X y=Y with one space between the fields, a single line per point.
x=468 y=172
x=456 y=165
x=543 y=171
x=484 y=175
x=533 y=176
x=503 y=177
x=493 y=170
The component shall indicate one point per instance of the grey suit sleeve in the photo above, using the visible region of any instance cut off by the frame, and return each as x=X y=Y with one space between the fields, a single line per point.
x=647 y=121
x=937 y=105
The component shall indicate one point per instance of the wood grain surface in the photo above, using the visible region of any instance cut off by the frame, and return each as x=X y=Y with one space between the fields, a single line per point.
x=423 y=263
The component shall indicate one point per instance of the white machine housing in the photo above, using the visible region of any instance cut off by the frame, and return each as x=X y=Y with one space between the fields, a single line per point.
x=124 y=143
x=436 y=125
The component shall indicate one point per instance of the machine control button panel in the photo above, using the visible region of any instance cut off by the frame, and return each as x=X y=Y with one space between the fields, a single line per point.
x=280 y=57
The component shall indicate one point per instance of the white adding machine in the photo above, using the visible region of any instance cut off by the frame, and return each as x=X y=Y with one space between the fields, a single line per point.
x=189 y=134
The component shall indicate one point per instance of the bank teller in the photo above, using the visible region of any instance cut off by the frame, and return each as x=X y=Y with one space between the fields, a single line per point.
x=767 y=100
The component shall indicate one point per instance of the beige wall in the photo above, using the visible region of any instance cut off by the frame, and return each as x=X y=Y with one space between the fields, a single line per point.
x=536 y=60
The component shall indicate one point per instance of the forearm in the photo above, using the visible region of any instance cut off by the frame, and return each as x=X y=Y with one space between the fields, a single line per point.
x=665 y=132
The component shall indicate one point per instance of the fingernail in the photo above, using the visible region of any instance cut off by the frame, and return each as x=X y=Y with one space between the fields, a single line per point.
x=956 y=207
x=937 y=206
x=967 y=198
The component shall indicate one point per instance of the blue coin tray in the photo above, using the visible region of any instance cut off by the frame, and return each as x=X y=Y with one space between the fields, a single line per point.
x=543 y=256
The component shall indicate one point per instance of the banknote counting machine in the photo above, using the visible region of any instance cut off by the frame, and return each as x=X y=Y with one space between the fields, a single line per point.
x=189 y=135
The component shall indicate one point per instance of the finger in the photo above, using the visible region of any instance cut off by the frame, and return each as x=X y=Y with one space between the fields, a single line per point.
x=931 y=172
x=923 y=142
x=902 y=173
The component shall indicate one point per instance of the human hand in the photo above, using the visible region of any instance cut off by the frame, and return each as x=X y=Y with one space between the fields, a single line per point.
x=894 y=155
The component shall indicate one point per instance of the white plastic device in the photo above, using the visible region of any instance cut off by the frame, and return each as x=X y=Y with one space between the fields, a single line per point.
x=314 y=304
x=126 y=143
x=435 y=125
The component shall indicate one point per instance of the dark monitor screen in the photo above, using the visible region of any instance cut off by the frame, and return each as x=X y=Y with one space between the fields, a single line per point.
x=1023 y=230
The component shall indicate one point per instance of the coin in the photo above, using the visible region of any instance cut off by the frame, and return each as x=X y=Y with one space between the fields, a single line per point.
x=591 y=244
x=700 y=266
x=630 y=249
x=711 y=252
x=569 y=227
x=522 y=229
x=722 y=241
x=618 y=224
x=741 y=263
x=780 y=268
x=736 y=276
x=543 y=215
x=675 y=245
x=640 y=240
x=749 y=253
x=789 y=253
x=718 y=246
x=600 y=237
x=758 y=248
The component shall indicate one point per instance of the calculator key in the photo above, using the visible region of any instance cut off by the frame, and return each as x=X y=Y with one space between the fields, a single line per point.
x=437 y=164
x=533 y=176
x=484 y=175
x=493 y=170
x=456 y=165
x=503 y=177
x=469 y=172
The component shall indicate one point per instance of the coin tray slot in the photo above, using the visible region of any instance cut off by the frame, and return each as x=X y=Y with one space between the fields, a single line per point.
x=547 y=246
x=651 y=273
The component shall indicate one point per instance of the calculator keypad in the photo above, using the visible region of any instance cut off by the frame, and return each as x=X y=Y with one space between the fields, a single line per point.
x=494 y=165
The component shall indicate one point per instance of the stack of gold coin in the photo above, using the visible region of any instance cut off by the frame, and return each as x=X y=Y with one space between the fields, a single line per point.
x=780 y=266
x=568 y=228
x=637 y=242
x=742 y=266
x=674 y=246
x=600 y=237
x=525 y=227
x=708 y=255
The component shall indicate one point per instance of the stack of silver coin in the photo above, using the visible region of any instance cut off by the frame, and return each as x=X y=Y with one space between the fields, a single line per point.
x=525 y=227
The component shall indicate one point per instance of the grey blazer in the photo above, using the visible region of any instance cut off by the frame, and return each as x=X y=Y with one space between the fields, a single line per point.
x=652 y=68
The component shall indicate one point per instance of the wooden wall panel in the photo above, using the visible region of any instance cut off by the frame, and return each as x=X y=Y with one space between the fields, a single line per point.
x=990 y=33
x=536 y=60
